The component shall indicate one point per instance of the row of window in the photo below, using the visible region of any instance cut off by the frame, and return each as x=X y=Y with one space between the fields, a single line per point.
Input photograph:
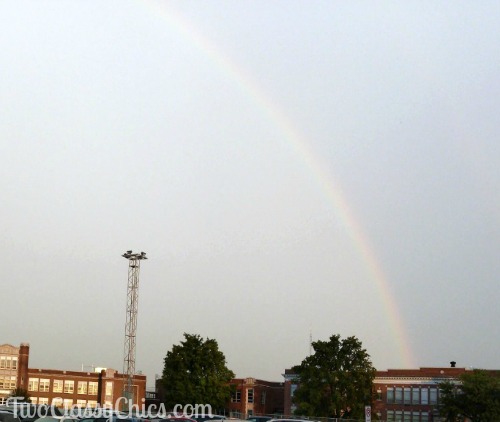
x=402 y=416
x=236 y=396
x=238 y=415
x=412 y=395
x=64 y=402
x=8 y=362
x=62 y=386
x=7 y=382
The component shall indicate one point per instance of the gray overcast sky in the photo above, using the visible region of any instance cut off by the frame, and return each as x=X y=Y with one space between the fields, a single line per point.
x=240 y=144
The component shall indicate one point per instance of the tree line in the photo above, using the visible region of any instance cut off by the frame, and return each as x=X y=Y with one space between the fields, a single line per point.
x=335 y=381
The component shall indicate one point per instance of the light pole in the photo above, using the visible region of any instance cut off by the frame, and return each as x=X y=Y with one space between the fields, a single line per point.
x=134 y=265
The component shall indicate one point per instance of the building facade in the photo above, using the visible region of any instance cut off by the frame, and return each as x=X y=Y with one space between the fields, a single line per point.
x=249 y=397
x=290 y=385
x=13 y=368
x=412 y=395
x=83 y=389
x=406 y=395
x=254 y=397
x=63 y=388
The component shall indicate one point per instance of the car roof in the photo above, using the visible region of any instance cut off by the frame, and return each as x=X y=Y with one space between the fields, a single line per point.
x=8 y=416
x=289 y=420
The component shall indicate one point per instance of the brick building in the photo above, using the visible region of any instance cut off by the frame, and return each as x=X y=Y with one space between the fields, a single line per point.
x=408 y=395
x=250 y=397
x=412 y=394
x=13 y=368
x=254 y=397
x=290 y=385
x=62 y=388
x=69 y=388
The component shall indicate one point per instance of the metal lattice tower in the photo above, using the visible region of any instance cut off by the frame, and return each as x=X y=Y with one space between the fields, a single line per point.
x=134 y=266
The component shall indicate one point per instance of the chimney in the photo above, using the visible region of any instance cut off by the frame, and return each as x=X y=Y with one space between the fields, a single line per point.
x=453 y=364
x=22 y=366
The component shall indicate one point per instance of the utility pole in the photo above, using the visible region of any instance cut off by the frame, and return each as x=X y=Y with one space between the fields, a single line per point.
x=134 y=266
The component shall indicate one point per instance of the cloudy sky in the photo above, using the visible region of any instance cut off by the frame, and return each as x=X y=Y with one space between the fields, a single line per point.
x=291 y=168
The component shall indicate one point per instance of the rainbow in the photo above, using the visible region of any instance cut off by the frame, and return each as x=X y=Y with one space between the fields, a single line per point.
x=326 y=181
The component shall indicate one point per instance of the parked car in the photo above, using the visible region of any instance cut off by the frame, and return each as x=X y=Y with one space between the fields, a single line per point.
x=290 y=420
x=173 y=419
x=207 y=418
x=56 y=419
x=112 y=418
x=28 y=412
x=8 y=416
x=259 y=418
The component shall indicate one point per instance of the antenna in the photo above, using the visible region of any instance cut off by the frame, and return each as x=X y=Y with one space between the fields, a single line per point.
x=134 y=265
x=310 y=341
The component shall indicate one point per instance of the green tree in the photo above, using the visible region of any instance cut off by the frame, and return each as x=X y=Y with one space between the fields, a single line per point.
x=195 y=372
x=336 y=380
x=20 y=392
x=475 y=397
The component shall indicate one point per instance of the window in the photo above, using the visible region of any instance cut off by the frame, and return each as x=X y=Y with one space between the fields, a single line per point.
x=415 y=395
x=81 y=403
x=109 y=393
x=109 y=388
x=7 y=383
x=399 y=416
x=399 y=395
x=57 y=402
x=250 y=413
x=69 y=387
x=57 y=386
x=82 y=387
x=433 y=396
x=67 y=403
x=91 y=403
x=34 y=400
x=407 y=416
x=424 y=395
x=390 y=395
x=92 y=388
x=44 y=386
x=236 y=397
x=407 y=395
x=250 y=395
x=43 y=400
x=7 y=362
x=390 y=415
x=263 y=398
x=415 y=417
x=33 y=384
x=425 y=417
